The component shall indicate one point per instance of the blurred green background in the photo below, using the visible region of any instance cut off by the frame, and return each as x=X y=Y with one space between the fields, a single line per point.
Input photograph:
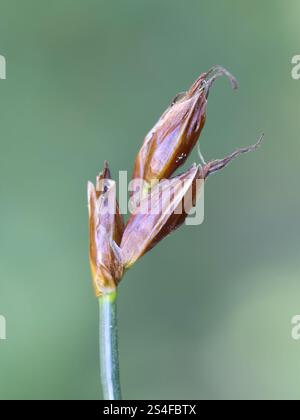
x=207 y=314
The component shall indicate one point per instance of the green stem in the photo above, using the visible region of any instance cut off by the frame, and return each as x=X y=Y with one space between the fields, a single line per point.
x=109 y=357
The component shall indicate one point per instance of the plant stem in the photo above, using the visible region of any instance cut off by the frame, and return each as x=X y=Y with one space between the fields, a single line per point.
x=109 y=356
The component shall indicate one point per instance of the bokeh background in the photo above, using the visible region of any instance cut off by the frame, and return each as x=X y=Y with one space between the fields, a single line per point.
x=207 y=314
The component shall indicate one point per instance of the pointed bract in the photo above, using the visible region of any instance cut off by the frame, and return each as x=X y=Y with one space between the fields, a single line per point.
x=166 y=207
x=170 y=142
x=106 y=230
x=150 y=223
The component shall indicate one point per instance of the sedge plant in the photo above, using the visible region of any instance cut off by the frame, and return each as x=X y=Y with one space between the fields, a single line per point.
x=162 y=202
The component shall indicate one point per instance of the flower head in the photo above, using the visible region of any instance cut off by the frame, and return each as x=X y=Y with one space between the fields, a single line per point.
x=163 y=206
